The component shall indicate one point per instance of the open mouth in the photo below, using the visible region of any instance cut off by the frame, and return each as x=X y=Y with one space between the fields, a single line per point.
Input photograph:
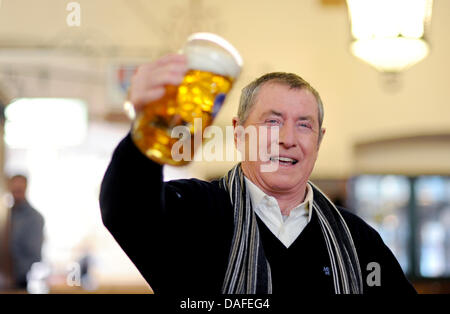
x=284 y=160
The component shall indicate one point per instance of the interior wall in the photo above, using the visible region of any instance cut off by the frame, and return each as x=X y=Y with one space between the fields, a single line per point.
x=419 y=155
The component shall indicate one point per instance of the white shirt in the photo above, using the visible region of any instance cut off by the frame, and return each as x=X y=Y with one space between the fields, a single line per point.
x=285 y=228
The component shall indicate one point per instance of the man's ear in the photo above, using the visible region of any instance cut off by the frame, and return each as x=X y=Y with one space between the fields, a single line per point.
x=235 y=130
x=321 y=134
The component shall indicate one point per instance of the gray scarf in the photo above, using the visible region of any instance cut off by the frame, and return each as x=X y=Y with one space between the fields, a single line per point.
x=248 y=270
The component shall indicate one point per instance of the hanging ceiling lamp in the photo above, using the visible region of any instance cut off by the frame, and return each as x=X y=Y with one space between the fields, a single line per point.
x=390 y=34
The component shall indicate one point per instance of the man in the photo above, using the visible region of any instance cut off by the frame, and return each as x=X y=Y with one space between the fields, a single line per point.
x=283 y=236
x=26 y=236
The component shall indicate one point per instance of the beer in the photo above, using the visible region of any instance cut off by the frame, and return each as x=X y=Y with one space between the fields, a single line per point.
x=212 y=70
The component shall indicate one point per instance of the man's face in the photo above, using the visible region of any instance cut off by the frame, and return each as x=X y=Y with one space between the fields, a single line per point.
x=295 y=112
x=18 y=188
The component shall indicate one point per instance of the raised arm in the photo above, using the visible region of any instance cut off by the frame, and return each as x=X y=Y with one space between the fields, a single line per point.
x=132 y=197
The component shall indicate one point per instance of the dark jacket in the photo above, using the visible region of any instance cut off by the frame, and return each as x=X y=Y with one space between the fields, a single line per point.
x=27 y=236
x=178 y=234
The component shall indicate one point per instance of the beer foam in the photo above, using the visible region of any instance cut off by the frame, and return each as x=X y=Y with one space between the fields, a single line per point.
x=211 y=53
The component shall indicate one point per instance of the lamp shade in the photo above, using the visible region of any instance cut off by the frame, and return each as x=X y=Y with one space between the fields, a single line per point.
x=389 y=34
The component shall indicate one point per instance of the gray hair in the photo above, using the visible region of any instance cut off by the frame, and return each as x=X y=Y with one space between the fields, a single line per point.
x=250 y=92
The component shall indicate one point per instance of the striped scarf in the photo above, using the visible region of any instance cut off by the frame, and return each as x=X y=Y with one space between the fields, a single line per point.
x=248 y=270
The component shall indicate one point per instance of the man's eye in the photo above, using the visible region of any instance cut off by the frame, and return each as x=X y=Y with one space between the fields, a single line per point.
x=305 y=125
x=272 y=121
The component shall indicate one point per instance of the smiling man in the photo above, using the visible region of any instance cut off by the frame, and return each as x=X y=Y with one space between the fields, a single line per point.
x=251 y=231
x=294 y=109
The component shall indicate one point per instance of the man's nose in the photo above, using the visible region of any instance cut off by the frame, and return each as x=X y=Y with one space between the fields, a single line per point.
x=287 y=135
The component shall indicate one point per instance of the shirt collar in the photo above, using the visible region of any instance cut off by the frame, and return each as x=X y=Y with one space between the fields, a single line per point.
x=257 y=196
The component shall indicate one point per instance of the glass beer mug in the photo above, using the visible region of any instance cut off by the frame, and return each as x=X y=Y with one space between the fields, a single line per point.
x=213 y=65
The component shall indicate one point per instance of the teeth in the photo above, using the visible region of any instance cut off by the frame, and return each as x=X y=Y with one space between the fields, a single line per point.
x=285 y=159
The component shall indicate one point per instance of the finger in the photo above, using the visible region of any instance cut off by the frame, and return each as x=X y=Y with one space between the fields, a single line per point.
x=171 y=58
x=140 y=89
x=167 y=75
x=148 y=83
x=162 y=75
x=140 y=100
x=167 y=59
x=175 y=68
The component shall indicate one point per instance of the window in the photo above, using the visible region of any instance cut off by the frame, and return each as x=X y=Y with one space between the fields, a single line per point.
x=412 y=215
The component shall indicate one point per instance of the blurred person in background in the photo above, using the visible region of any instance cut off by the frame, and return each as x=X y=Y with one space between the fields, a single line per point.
x=27 y=232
